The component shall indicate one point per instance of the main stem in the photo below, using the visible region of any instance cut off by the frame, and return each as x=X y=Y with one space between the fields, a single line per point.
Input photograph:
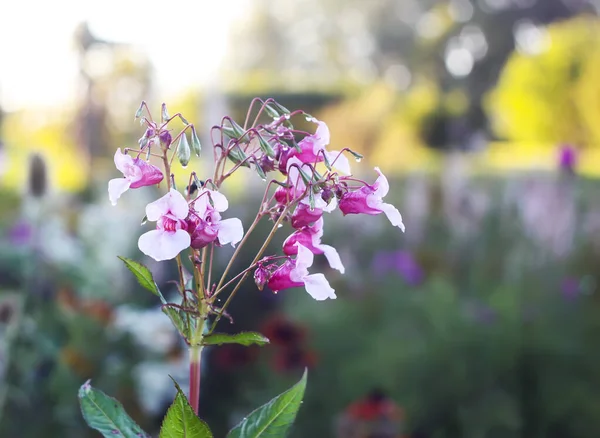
x=195 y=375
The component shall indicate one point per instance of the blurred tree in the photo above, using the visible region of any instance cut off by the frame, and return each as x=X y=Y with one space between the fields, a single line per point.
x=548 y=91
x=457 y=46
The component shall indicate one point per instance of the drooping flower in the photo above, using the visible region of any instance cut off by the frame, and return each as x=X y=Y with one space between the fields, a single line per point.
x=304 y=215
x=170 y=236
x=137 y=173
x=369 y=200
x=294 y=273
x=310 y=238
x=313 y=148
x=205 y=222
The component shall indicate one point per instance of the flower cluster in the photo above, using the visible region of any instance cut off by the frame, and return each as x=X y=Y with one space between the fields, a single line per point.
x=306 y=181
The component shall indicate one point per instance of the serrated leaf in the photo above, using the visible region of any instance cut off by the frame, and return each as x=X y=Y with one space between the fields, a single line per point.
x=243 y=338
x=196 y=146
x=143 y=276
x=182 y=422
x=275 y=418
x=106 y=414
x=178 y=320
x=183 y=150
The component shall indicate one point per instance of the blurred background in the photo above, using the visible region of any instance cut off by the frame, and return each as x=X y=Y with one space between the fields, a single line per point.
x=480 y=321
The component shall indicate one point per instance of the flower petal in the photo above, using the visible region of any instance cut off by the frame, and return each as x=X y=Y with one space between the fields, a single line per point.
x=393 y=215
x=116 y=187
x=339 y=161
x=163 y=245
x=331 y=206
x=172 y=202
x=322 y=133
x=382 y=187
x=219 y=201
x=123 y=162
x=318 y=287
x=332 y=257
x=230 y=231
x=304 y=260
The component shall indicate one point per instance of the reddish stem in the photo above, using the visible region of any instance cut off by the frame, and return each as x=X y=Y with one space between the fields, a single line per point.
x=195 y=356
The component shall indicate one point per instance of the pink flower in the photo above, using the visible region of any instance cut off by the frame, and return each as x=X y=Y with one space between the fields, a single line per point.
x=369 y=200
x=310 y=237
x=171 y=236
x=304 y=215
x=313 y=149
x=137 y=173
x=205 y=222
x=294 y=273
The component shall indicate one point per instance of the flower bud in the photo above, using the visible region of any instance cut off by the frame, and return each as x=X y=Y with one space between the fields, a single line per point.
x=327 y=194
x=165 y=138
x=266 y=163
x=261 y=277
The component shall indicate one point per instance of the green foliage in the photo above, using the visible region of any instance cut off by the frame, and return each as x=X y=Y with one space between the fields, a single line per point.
x=244 y=338
x=106 y=415
x=182 y=422
x=275 y=417
x=143 y=276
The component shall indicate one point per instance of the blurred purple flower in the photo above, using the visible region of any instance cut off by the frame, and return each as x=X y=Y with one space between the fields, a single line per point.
x=20 y=233
x=401 y=262
x=567 y=158
x=570 y=288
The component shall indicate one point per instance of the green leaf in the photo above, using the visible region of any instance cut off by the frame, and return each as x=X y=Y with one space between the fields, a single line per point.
x=243 y=338
x=144 y=276
x=196 y=146
x=274 y=418
x=183 y=150
x=179 y=320
x=106 y=415
x=182 y=422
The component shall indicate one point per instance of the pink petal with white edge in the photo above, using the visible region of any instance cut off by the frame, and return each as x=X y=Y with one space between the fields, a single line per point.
x=116 y=187
x=173 y=202
x=163 y=245
x=339 y=161
x=123 y=162
x=230 y=231
x=333 y=257
x=318 y=287
x=382 y=187
x=393 y=215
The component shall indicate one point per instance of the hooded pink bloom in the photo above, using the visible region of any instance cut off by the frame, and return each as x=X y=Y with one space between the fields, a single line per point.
x=310 y=237
x=369 y=200
x=294 y=273
x=304 y=216
x=137 y=173
x=313 y=148
x=206 y=225
x=170 y=236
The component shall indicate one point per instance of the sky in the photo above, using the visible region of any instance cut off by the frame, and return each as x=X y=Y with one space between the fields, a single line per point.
x=37 y=53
